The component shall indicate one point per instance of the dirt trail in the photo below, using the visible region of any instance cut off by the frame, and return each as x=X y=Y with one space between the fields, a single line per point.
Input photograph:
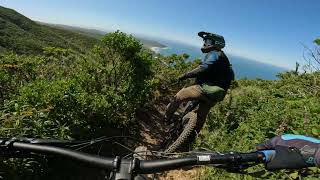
x=153 y=130
x=152 y=125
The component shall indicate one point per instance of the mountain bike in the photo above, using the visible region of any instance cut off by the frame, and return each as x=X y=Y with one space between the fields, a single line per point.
x=125 y=168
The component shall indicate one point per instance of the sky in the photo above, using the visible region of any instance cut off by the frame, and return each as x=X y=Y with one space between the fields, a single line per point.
x=270 y=31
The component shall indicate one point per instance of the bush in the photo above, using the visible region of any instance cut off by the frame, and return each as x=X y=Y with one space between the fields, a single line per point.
x=67 y=95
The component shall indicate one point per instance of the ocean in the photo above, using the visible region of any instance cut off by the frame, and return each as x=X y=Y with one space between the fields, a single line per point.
x=243 y=67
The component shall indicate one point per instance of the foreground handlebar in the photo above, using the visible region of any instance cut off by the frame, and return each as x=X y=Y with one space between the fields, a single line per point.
x=135 y=166
x=205 y=159
x=161 y=165
x=88 y=159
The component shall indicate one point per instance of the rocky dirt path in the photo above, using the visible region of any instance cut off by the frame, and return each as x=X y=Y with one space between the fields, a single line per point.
x=153 y=130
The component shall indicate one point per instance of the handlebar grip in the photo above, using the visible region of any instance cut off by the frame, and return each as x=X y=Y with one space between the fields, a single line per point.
x=268 y=155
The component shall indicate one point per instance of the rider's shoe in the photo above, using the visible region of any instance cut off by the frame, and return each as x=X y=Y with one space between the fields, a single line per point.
x=167 y=121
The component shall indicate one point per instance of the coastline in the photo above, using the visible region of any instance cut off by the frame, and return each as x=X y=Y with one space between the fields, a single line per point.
x=243 y=67
x=156 y=49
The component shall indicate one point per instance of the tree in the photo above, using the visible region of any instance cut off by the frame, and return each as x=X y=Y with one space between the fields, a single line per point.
x=317 y=41
x=312 y=56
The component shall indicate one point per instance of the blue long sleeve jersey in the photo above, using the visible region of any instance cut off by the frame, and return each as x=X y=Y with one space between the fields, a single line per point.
x=207 y=60
x=215 y=69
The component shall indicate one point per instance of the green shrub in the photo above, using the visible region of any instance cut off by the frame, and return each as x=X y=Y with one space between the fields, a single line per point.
x=80 y=94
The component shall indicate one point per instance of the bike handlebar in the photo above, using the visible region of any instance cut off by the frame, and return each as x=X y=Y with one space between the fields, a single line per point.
x=229 y=158
x=138 y=166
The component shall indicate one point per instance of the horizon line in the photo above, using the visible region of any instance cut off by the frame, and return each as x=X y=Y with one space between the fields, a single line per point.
x=138 y=34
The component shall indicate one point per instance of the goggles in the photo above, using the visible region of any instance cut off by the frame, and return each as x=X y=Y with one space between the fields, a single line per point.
x=208 y=42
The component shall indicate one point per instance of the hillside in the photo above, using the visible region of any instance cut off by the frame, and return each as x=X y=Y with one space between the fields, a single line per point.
x=148 y=43
x=24 y=36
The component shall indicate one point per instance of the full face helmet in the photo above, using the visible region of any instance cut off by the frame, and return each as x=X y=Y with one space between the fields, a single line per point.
x=211 y=41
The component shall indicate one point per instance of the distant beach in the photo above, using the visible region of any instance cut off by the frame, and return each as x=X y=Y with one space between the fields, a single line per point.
x=157 y=50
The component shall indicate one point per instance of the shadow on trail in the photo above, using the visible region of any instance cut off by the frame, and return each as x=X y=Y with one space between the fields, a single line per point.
x=153 y=129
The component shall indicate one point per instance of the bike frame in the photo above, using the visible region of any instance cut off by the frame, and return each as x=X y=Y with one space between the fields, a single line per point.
x=190 y=106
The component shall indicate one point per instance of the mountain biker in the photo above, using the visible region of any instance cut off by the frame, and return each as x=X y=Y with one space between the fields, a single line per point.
x=213 y=79
x=292 y=151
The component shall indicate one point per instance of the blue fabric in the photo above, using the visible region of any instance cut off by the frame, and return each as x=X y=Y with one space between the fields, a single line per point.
x=268 y=155
x=209 y=58
x=301 y=137
x=215 y=69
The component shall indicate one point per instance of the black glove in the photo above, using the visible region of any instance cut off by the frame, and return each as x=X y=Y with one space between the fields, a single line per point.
x=292 y=152
x=181 y=78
